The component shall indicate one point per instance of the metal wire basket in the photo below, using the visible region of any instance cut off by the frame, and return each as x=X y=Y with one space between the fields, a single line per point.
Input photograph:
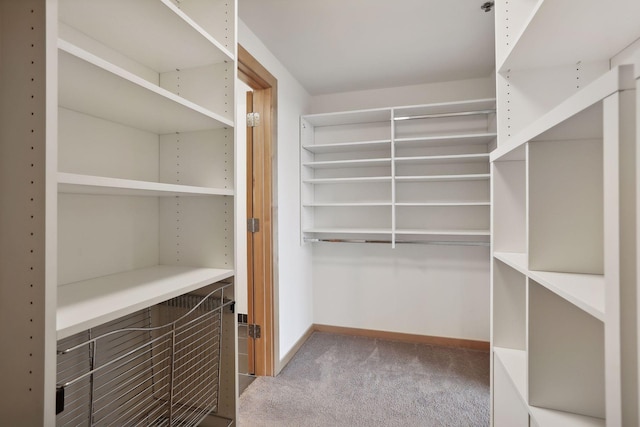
x=157 y=367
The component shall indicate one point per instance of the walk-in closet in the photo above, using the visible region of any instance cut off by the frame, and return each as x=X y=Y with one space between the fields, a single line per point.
x=255 y=212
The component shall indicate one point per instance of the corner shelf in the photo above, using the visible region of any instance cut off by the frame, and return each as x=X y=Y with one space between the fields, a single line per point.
x=441 y=204
x=425 y=232
x=585 y=291
x=89 y=303
x=519 y=15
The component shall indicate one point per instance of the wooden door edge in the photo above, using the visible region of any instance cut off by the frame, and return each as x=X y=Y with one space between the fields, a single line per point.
x=251 y=363
x=257 y=77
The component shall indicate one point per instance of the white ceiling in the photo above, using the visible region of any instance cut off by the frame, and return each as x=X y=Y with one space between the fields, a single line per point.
x=344 y=45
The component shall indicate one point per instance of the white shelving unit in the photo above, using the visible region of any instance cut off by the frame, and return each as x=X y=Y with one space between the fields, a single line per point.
x=561 y=204
x=361 y=172
x=136 y=169
x=549 y=266
x=637 y=199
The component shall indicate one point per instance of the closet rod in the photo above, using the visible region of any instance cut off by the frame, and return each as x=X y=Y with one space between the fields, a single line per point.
x=433 y=116
x=413 y=242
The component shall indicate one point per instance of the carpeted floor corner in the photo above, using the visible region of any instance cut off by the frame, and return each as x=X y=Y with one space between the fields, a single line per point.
x=337 y=380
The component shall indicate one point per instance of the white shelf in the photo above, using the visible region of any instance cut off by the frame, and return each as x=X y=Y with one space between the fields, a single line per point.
x=90 y=85
x=515 y=364
x=517 y=261
x=544 y=29
x=550 y=418
x=350 y=117
x=355 y=205
x=88 y=184
x=436 y=178
x=364 y=179
x=564 y=99
x=419 y=231
x=348 y=146
x=347 y=230
x=465 y=124
x=135 y=92
x=444 y=108
x=619 y=78
x=348 y=163
x=161 y=46
x=585 y=291
x=441 y=204
x=449 y=140
x=89 y=303
x=453 y=158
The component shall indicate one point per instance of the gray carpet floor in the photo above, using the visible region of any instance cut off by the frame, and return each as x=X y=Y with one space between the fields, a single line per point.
x=337 y=380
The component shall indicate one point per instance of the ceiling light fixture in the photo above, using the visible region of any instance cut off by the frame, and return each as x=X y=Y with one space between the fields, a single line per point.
x=487 y=6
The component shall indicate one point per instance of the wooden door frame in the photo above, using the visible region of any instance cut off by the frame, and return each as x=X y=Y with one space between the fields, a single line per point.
x=258 y=78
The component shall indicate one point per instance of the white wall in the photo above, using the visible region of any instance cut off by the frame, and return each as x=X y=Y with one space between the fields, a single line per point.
x=293 y=288
x=417 y=289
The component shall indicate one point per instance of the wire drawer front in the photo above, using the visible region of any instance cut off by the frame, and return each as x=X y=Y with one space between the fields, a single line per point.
x=156 y=367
